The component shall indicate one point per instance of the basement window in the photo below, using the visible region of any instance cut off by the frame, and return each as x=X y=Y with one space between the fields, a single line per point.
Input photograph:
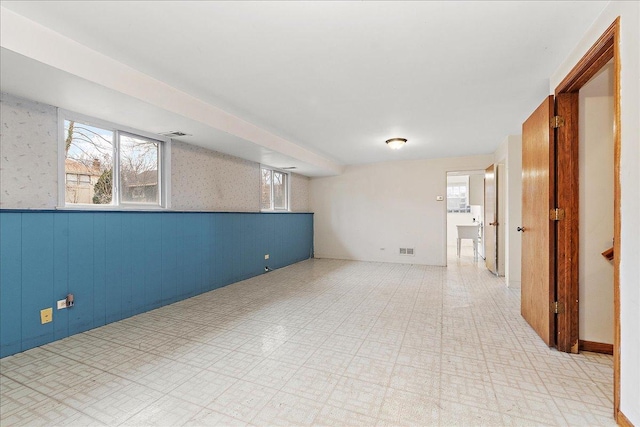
x=274 y=189
x=108 y=166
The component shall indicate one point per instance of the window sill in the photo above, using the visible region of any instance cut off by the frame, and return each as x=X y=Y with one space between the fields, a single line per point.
x=110 y=208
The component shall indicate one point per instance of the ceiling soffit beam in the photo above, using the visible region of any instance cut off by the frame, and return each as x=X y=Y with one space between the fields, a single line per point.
x=32 y=40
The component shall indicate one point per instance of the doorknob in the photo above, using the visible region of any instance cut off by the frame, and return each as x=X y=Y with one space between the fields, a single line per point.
x=521 y=229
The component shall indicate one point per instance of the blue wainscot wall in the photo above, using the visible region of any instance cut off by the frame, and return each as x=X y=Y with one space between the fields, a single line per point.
x=118 y=264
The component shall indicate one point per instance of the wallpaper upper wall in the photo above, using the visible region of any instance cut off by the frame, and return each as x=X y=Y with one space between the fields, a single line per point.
x=300 y=193
x=28 y=154
x=201 y=179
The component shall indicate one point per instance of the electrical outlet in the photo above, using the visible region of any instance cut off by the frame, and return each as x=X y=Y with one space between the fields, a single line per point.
x=266 y=256
x=62 y=304
x=46 y=315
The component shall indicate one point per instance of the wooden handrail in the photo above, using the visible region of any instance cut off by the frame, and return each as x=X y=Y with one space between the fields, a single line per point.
x=608 y=254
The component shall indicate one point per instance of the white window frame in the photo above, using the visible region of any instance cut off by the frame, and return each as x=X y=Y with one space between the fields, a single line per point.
x=287 y=189
x=164 y=165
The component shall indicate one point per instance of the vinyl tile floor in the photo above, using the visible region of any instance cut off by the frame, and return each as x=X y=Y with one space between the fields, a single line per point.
x=321 y=342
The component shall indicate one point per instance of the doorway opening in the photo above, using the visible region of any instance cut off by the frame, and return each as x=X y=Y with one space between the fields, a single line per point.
x=465 y=211
x=596 y=217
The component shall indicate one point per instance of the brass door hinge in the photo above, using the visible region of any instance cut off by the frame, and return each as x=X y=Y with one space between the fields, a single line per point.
x=556 y=214
x=556 y=122
x=557 y=307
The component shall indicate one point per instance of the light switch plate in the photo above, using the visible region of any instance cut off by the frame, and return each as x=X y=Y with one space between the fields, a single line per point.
x=62 y=304
x=46 y=315
x=266 y=256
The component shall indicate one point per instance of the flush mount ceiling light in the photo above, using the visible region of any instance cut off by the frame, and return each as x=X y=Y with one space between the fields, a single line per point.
x=396 y=143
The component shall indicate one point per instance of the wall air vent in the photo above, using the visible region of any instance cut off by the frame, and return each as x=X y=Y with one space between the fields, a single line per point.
x=174 y=134
x=406 y=251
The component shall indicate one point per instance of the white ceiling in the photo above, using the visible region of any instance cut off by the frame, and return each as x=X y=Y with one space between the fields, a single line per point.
x=311 y=84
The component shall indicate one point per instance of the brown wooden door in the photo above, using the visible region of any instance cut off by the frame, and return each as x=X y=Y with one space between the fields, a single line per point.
x=538 y=239
x=491 y=219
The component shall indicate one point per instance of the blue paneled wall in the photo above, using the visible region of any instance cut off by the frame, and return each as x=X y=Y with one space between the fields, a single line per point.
x=118 y=264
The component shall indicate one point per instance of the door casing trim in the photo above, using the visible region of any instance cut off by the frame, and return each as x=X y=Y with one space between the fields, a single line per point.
x=606 y=48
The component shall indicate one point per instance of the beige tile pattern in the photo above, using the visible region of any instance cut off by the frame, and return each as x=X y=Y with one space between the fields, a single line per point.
x=322 y=342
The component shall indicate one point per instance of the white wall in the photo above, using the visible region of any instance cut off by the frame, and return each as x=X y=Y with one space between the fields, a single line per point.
x=509 y=154
x=201 y=179
x=476 y=189
x=458 y=179
x=370 y=211
x=629 y=13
